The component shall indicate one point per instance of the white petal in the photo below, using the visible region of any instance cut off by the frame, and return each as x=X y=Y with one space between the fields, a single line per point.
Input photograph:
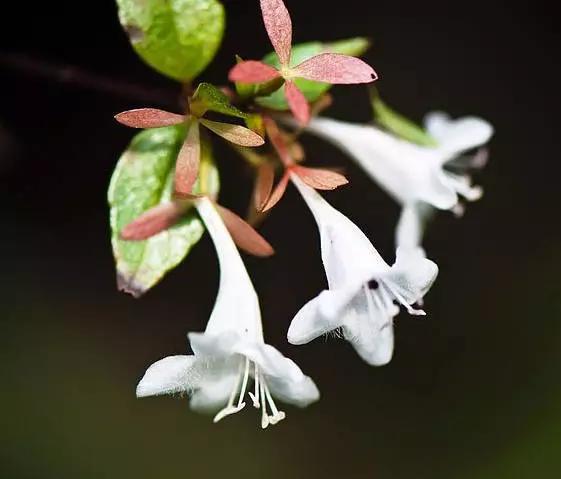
x=412 y=275
x=236 y=307
x=370 y=330
x=348 y=255
x=411 y=225
x=214 y=391
x=284 y=378
x=170 y=375
x=210 y=346
x=458 y=135
x=321 y=315
x=406 y=171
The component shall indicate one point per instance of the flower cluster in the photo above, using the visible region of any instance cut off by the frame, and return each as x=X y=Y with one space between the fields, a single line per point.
x=423 y=169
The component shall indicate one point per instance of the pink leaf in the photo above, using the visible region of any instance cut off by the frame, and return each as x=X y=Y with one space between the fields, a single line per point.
x=236 y=134
x=187 y=166
x=279 y=28
x=297 y=102
x=244 y=235
x=263 y=185
x=154 y=221
x=278 y=192
x=335 y=68
x=278 y=142
x=320 y=179
x=252 y=71
x=149 y=118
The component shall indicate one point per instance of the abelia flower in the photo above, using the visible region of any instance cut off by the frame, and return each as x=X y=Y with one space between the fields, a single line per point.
x=420 y=178
x=327 y=67
x=232 y=351
x=364 y=292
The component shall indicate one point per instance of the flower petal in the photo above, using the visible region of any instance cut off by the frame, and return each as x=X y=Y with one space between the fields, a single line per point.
x=369 y=329
x=277 y=193
x=319 y=178
x=149 y=118
x=336 y=69
x=263 y=185
x=412 y=274
x=297 y=102
x=214 y=390
x=284 y=378
x=154 y=221
x=321 y=315
x=347 y=254
x=236 y=134
x=170 y=375
x=252 y=71
x=244 y=235
x=279 y=28
x=187 y=165
x=455 y=136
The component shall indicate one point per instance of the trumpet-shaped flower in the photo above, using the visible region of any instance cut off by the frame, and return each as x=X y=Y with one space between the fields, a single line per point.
x=327 y=67
x=231 y=352
x=364 y=291
x=408 y=172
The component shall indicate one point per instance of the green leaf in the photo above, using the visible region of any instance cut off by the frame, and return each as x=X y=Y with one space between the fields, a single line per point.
x=209 y=98
x=143 y=179
x=312 y=90
x=178 y=38
x=398 y=124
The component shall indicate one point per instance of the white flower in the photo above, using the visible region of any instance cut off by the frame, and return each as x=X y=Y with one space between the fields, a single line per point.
x=232 y=350
x=362 y=286
x=408 y=172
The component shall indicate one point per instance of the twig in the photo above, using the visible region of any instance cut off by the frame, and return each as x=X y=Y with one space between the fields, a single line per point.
x=92 y=81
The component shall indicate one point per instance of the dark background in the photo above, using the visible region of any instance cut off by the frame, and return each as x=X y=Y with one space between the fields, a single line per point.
x=473 y=391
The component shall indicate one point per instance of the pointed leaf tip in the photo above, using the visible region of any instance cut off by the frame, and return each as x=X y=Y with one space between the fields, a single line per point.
x=244 y=235
x=279 y=27
x=277 y=193
x=252 y=72
x=297 y=102
x=320 y=179
x=187 y=165
x=154 y=221
x=336 y=69
x=263 y=185
x=148 y=118
x=236 y=134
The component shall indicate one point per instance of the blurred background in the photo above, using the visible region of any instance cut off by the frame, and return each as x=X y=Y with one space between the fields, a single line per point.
x=473 y=391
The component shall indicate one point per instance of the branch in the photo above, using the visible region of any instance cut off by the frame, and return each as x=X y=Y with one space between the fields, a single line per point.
x=75 y=76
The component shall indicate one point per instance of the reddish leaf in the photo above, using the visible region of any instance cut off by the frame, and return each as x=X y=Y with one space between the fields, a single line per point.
x=297 y=102
x=187 y=166
x=244 y=235
x=278 y=192
x=278 y=142
x=335 y=68
x=149 y=118
x=252 y=71
x=154 y=221
x=320 y=179
x=263 y=185
x=279 y=28
x=236 y=134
